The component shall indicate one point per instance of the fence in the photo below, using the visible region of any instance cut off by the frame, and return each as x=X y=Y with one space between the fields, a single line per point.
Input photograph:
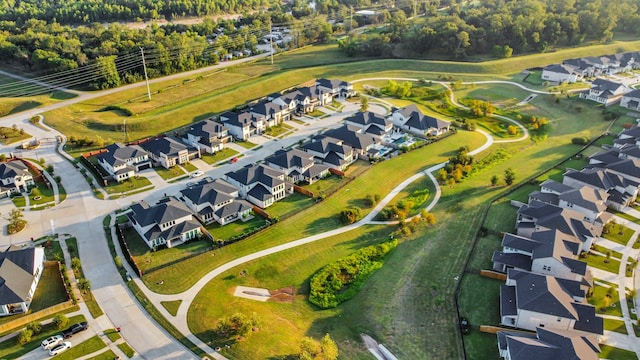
x=35 y=170
x=336 y=172
x=262 y=213
x=303 y=191
x=26 y=319
x=123 y=245
x=493 y=274
x=93 y=153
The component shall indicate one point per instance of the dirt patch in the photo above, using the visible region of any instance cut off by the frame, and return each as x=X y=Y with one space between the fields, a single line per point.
x=260 y=294
x=286 y=294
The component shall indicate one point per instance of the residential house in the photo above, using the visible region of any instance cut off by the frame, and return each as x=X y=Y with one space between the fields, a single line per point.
x=529 y=301
x=412 y=120
x=582 y=67
x=169 y=223
x=208 y=135
x=242 y=125
x=631 y=100
x=336 y=88
x=547 y=344
x=14 y=177
x=123 y=161
x=605 y=92
x=547 y=252
x=20 y=272
x=621 y=192
x=362 y=143
x=370 y=123
x=331 y=152
x=297 y=166
x=561 y=73
x=538 y=216
x=589 y=201
x=273 y=113
x=169 y=152
x=259 y=184
x=216 y=200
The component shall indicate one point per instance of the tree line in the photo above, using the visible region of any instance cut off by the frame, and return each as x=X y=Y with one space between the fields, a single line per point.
x=500 y=28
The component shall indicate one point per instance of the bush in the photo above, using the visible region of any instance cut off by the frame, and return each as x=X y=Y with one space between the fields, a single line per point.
x=60 y=321
x=25 y=336
x=341 y=280
x=350 y=215
x=35 y=327
x=582 y=140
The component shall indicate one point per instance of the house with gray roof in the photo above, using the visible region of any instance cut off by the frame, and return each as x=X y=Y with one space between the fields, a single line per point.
x=538 y=216
x=216 y=200
x=370 y=123
x=207 y=135
x=591 y=202
x=354 y=137
x=168 y=223
x=123 y=161
x=242 y=125
x=412 y=120
x=20 y=272
x=331 y=152
x=273 y=113
x=529 y=301
x=559 y=73
x=260 y=184
x=621 y=192
x=14 y=177
x=547 y=344
x=631 y=100
x=297 y=166
x=548 y=252
x=605 y=92
x=168 y=152
x=336 y=88
x=582 y=67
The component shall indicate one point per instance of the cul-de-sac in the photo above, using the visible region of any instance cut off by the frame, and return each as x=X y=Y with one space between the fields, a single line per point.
x=319 y=180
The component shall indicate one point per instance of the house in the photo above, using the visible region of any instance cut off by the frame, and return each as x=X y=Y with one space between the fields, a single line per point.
x=14 y=177
x=370 y=123
x=242 y=125
x=621 y=192
x=582 y=67
x=561 y=73
x=337 y=88
x=537 y=216
x=410 y=119
x=259 y=184
x=273 y=113
x=20 y=272
x=529 y=301
x=547 y=344
x=216 y=200
x=169 y=223
x=591 y=202
x=207 y=135
x=631 y=100
x=297 y=166
x=605 y=92
x=547 y=252
x=123 y=161
x=169 y=152
x=354 y=137
x=331 y=152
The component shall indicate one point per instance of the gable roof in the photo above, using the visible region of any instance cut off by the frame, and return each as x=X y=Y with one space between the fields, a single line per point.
x=11 y=169
x=597 y=177
x=633 y=94
x=213 y=192
x=164 y=145
x=352 y=138
x=266 y=108
x=416 y=119
x=17 y=268
x=167 y=209
x=256 y=174
x=118 y=153
x=548 y=344
x=243 y=119
x=586 y=197
x=291 y=158
x=368 y=118
x=207 y=129
x=565 y=220
x=325 y=145
x=606 y=87
x=331 y=83
x=542 y=294
x=560 y=69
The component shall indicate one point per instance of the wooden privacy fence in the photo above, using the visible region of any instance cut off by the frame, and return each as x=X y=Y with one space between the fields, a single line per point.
x=493 y=274
x=26 y=319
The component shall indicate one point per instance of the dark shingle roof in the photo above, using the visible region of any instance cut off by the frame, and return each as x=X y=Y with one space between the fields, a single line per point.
x=164 y=145
x=291 y=158
x=16 y=274
x=212 y=192
x=11 y=169
x=416 y=119
x=207 y=129
x=256 y=174
x=165 y=210
x=548 y=344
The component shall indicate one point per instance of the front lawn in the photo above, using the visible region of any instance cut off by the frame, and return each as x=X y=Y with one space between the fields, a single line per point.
x=171 y=173
x=10 y=135
x=89 y=346
x=602 y=263
x=617 y=233
x=610 y=352
x=131 y=184
x=278 y=130
x=223 y=154
x=246 y=144
x=606 y=300
x=235 y=228
x=189 y=167
x=615 y=325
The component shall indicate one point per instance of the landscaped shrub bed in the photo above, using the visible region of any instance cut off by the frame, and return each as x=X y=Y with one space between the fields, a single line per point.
x=341 y=280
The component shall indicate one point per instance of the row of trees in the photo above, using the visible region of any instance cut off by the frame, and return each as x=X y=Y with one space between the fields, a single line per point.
x=501 y=27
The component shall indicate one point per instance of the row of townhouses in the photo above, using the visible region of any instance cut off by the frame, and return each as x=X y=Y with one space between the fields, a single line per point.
x=573 y=70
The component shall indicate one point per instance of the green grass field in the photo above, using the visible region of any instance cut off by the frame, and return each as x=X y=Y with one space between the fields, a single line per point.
x=604 y=303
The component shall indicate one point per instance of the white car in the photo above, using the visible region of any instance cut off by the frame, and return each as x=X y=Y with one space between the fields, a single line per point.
x=60 y=348
x=197 y=173
x=52 y=341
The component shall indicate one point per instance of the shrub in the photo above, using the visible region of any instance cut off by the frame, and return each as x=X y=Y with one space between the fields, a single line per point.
x=582 y=140
x=25 y=336
x=35 y=327
x=350 y=215
x=60 y=321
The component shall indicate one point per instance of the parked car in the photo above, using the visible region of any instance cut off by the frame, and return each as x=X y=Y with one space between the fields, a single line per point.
x=464 y=325
x=234 y=160
x=197 y=173
x=74 y=329
x=60 y=348
x=51 y=342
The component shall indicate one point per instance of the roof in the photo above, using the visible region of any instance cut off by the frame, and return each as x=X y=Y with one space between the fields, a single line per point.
x=548 y=344
x=560 y=69
x=368 y=118
x=291 y=158
x=164 y=145
x=213 y=192
x=260 y=192
x=555 y=186
x=416 y=119
x=351 y=138
x=11 y=169
x=331 y=83
x=519 y=242
x=233 y=208
x=586 y=197
x=542 y=294
x=172 y=232
x=633 y=94
x=17 y=268
x=118 y=154
x=167 y=209
x=565 y=220
x=242 y=119
x=256 y=174
x=207 y=129
x=597 y=177
x=605 y=86
x=515 y=260
x=325 y=145
x=267 y=108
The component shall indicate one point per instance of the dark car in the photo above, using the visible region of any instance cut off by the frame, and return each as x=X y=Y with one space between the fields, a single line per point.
x=74 y=329
x=464 y=325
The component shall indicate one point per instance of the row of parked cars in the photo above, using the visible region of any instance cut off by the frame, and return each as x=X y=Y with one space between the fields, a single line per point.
x=56 y=344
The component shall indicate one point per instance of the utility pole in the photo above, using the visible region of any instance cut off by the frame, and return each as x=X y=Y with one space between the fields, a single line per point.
x=146 y=78
x=124 y=130
x=351 y=20
x=271 y=39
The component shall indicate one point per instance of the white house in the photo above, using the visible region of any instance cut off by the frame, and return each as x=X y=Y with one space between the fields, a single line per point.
x=560 y=73
x=20 y=272
x=168 y=152
x=259 y=184
x=14 y=177
x=412 y=120
x=123 y=161
x=631 y=100
x=605 y=92
x=207 y=135
x=216 y=201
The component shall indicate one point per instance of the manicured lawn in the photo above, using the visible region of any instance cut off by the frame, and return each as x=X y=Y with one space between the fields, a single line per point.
x=615 y=325
x=326 y=185
x=278 y=130
x=189 y=167
x=171 y=173
x=236 y=228
x=501 y=216
x=481 y=346
x=603 y=303
x=246 y=144
x=131 y=184
x=19 y=201
x=107 y=355
x=12 y=350
x=50 y=290
x=9 y=135
x=112 y=334
x=86 y=347
x=45 y=195
x=53 y=251
x=223 y=154
x=172 y=306
x=289 y=205
x=126 y=349
x=604 y=250
x=610 y=352
x=602 y=263
x=619 y=233
x=317 y=113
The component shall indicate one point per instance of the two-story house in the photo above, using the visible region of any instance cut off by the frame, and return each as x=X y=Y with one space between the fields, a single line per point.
x=591 y=202
x=259 y=184
x=336 y=88
x=216 y=200
x=14 y=177
x=631 y=100
x=168 y=223
x=20 y=272
x=547 y=344
x=273 y=113
x=168 y=152
x=605 y=92
x=123 y=161
x=207 y=135
x=370 y=123
x=331 y=152
x=560 y=73
x=412 y=120
x=242 y=125
x=297 y=166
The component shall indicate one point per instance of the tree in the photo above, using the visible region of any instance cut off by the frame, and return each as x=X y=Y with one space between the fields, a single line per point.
x=364 y=103
x=84 y=285
x=108 y=72
x=35 y=192
x=60 y=321
x=428 y=217
x=494 y=180
x=328 y=348
x=509 y=176
x=75 y=263
x=512 y=130
x=24 y=336
x=308 y=348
